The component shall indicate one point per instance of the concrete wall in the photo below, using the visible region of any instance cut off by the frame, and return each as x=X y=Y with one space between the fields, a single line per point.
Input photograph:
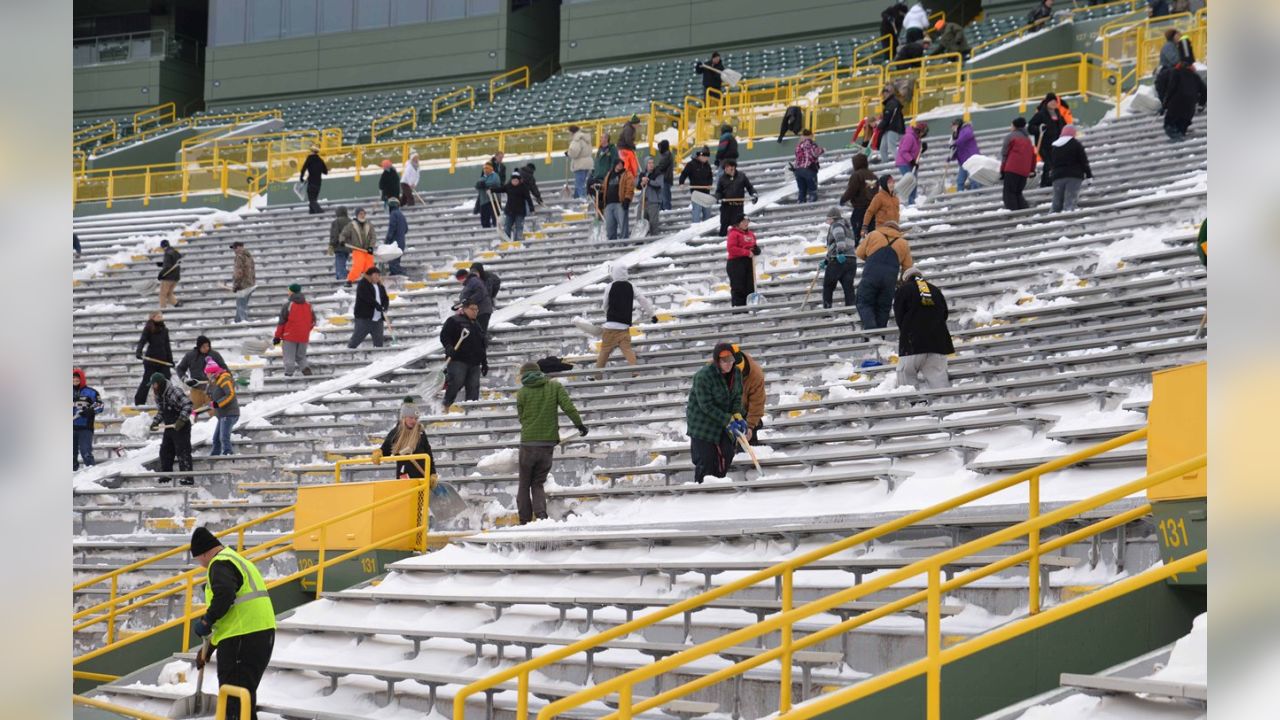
x=118 y=88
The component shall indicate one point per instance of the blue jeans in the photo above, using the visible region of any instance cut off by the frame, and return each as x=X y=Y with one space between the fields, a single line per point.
x=340 y=265
x=806 y=185
x=81 y=447
x=222 y=435
x=889 y=145
x=699 y=213
x=962 y=180
x=904 y=170
x=513 y=227
x=666 y=196
x=580 y=183
x=615 y=222
x=242 y=307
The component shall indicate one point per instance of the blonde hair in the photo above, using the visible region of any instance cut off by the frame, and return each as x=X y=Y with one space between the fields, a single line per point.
x=406 y=438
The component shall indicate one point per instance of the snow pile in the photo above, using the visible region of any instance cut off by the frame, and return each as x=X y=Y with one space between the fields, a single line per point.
x=178 y=672
x=98 y=308
x=500 y=461
x=1188 y=663
x=137 y=427
x=257 y=379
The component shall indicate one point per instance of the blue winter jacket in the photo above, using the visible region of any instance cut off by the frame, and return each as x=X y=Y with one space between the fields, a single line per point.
x=397 y=227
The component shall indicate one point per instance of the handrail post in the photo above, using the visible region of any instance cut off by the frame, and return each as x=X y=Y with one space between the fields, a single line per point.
x=1033 y=544
x=933 y=644
x=320 y=560
x=453 y=154
x=784 y=685
x=146 y=186
x=522 y=697
x=186 y=611
x=624 y=703
x=1023 y=82
x=111 y=616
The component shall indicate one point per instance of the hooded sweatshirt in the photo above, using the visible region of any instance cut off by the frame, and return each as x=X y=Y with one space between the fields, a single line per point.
x=537 y=402
x=340 y=221
x=85 y=402
x=862 y=184
x=296 y=320
x=884 y=206
x=620 y=300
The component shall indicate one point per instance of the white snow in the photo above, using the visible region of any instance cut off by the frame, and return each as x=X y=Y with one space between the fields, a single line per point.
x=499 y=461
x=137 y=427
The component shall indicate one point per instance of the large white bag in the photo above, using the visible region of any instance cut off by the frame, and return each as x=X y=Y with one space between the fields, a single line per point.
x=387 y=252
x=983 y=170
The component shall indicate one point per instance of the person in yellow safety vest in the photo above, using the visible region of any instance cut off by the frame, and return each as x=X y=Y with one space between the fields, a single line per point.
x=239 y=620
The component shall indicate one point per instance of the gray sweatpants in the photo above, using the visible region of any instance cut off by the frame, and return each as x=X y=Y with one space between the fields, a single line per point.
x=1065 y=193
x=295 y=357
x=925 y=371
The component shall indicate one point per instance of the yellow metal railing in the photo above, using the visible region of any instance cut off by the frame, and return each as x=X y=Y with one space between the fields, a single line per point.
x=783 y=573
x=94 y=133
x=111 y=611
x=880 y=50
x=161 y=114
x=241 y=694
x=115 y=709
x=154 y=130
x=456 y=99
x=1141 y=42
x=166 y=179
x=507 y=80
x=251 y=149
x=402 y=118
x=932 y=569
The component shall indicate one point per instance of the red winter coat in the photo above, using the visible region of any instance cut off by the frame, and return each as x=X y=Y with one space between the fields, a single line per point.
x=740 y=243
x=296 y=320
x=1019 y=154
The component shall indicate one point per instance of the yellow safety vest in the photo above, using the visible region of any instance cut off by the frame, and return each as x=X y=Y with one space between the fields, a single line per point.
x=251 y=611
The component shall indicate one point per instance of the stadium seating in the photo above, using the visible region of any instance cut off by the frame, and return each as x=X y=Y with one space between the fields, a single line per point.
x=1058 y=319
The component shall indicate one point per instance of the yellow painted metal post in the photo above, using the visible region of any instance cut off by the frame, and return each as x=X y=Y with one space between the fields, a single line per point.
x=933 y=643
x=240 y=539
x=784 y=684
x=1033 y=543
x=624 y=703
x=453 y=155
x=186 y=182
x=359 y=161
x=320 y=561
x=186 y=611
x=968 y=98
x=111 y=187
x=549 y=136
x=146 y=187
x=1083 y=80
x=522 y=697
x=111 y=616
x=225 y=180
x=1023 y=83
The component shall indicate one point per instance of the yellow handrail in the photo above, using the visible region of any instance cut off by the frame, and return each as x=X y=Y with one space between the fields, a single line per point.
x=932 y=568
x=111 y=610
x=158 y=115
x=402 y=118
x=422 y=458
x=443 y=103
x=507 y=80
x=97 y=131
x=242 y=694
x=786 y=567
x=883 y=50
x=116 y=709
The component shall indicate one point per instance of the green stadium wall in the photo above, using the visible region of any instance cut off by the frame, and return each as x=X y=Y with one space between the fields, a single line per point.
x=119 y=88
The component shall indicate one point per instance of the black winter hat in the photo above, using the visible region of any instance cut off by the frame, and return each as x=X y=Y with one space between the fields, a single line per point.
x=202 y=541
x=883 y=181
x=164 y=243
x=202 y=340
x=1019 y=122
x=158 y=378
x=703 y=151
x=663 y=146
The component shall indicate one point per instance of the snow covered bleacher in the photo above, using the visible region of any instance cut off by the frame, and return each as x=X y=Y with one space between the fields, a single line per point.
x=1059 y=321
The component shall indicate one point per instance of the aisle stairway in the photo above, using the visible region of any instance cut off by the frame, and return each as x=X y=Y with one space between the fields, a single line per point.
x=1059 y=321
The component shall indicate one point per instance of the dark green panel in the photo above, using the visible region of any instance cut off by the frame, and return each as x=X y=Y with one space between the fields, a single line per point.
x=114 y=88
x=1182 y=528
x=1058 y=40
x=1087 y=642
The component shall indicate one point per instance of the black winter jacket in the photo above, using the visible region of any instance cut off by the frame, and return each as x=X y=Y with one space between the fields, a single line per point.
x=389 y=183
x=1185 y=91
x=734 y=188
x=1044 y=129
x=408 y=468
x=699 y=174
x=369 y=297
x=710 y=78
x=192 y=364
x=169 y=267
x=471 y=351
x=1070 y=161
x=312 y=168
x=891 y=117
x=921 y=328
x=517 y=204
x=340 y=221
x=154 y=345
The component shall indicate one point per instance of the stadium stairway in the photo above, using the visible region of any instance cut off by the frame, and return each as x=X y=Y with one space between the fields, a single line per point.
x=1059 y=321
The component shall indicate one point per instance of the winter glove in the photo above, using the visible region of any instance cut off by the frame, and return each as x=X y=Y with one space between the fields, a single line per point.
x=924 y=148
x=191 y=382
x=138 y=354
x=484 y=369
x=738 y=427
x=654 y=319
x=840 y=258
x=376 y=456
x=582 y=430
x=755 y=249
x=155 y=424
x=755 y=199
x=181 y=422
x=822 y=265
x=275 y=341
x=201 y=627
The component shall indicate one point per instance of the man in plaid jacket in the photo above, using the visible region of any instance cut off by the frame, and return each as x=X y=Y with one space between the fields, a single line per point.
x=714 y=414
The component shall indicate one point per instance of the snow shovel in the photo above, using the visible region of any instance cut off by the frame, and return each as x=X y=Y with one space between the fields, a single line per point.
x=705 y=199
x=431 y=388
x=597 y=224
x=742 y=442
x=242 y=292
x=202 y=658
x=756 y=297
x=300 y=189
x=146 y=358
x=146 y=286
x=807 y=292
x=589 y=328
x=445 y=501
x=251 y=346
x=642 y=222
x=497 y=213
x=387 y=252
x=905 y=185
x=730 y=77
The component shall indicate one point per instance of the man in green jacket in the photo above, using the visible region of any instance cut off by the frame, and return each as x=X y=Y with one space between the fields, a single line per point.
x=537 y=404
x=714 y=414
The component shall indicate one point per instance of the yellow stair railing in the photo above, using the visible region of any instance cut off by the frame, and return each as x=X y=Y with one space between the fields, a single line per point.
x=114 y=611
x=224 y=693
x=162 y=114
x=507 y=80
x=783 y=574
x=95 y=132
x=389 y=123
x=456 y=99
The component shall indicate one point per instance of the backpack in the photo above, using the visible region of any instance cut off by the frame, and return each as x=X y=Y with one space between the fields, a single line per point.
x=492 y=282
